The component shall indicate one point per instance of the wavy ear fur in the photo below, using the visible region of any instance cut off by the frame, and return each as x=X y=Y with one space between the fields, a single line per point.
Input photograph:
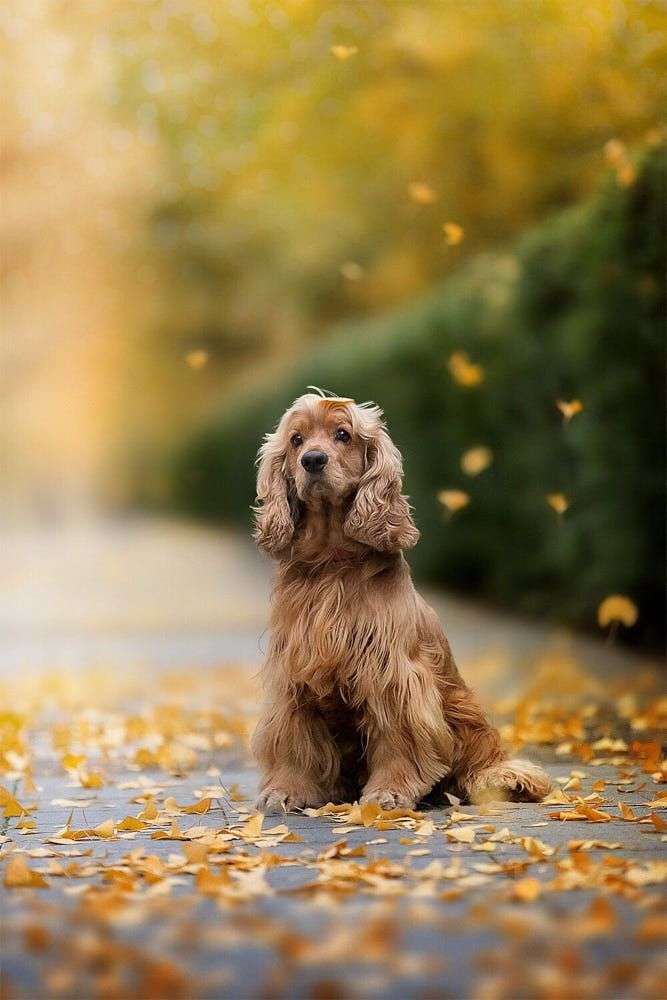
x=380 y=514
x=275 y=510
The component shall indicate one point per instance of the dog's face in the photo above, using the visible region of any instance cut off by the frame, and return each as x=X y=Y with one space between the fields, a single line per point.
x=332 y=451
x=325 y=456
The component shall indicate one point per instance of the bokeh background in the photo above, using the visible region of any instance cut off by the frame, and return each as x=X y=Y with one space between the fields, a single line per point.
x=454 y=209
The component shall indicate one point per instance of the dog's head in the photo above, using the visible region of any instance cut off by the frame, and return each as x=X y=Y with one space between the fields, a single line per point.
x=328 y=450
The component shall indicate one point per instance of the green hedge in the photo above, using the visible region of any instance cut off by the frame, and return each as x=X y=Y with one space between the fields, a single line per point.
x=575 y=311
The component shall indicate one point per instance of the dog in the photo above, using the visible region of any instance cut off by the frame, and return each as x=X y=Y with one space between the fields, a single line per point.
x=364 y=699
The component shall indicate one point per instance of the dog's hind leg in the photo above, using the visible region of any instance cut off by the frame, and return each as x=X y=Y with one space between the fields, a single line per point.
x=482 y=769
x=515 y=780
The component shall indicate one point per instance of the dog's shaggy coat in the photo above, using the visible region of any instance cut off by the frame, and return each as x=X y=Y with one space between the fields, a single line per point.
x=363 y=695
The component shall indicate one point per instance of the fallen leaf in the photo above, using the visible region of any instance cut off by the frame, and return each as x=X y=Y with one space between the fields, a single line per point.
x=18 y=875
x=466 y=835
x=527 y=890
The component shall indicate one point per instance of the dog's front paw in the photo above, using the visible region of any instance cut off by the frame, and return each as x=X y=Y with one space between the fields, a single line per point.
x=278 y=800
x=387 y=799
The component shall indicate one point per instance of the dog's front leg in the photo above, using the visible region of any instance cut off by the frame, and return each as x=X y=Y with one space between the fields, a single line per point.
x=298 y=757
x=410 y=746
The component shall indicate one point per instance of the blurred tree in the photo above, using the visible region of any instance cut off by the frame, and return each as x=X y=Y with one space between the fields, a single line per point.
x=313 y=149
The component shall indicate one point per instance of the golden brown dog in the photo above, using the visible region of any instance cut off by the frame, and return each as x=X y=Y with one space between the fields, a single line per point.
x=363 y=693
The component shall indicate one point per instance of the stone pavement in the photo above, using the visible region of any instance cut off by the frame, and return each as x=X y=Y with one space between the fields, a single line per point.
x=127 y=653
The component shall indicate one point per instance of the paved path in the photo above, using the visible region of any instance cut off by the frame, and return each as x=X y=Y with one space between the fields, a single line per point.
x=127 y=651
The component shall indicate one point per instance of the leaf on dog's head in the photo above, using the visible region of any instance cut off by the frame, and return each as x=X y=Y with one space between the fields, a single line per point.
x=333 y=401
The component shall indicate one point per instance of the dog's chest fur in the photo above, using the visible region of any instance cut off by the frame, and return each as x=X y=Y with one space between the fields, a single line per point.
x=340 y=627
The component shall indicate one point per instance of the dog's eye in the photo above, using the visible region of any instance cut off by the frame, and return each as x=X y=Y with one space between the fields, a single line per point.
x=342 y=435
x=296 y=440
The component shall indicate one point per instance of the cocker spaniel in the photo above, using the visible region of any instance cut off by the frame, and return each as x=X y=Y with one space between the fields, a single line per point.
x=364 y=698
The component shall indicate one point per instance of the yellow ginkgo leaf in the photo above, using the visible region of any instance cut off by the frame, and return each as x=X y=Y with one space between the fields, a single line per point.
x=558 y=502
x=196 y=359
x=90 y=779
x=617 y=608
x=422 y=193
x=464 y=371
x=352 y=271
x=570 y=409
x=453 y=233
x=18 y=875
x=626 y=174
x=344 y=52
x=252 y=827
x=453 y=500
x=71 y=761
x=11 y=806
x=105 y=830
x=476 y=460
x=615 y=152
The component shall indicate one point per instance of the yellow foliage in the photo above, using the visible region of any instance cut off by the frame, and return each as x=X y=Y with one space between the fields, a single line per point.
x=453 y=500
x=617 y=609
x=464 y=371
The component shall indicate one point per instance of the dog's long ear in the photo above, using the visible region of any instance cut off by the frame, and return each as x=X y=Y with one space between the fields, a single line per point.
x=380 y=514
x=274 y=513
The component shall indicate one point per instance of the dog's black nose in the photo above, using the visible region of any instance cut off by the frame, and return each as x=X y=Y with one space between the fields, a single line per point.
x=314 y=461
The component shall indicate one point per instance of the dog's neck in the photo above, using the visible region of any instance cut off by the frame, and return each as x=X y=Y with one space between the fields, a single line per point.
x=320 y=539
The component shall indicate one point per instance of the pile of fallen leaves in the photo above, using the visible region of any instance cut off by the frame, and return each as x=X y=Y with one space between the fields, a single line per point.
x=127 y=824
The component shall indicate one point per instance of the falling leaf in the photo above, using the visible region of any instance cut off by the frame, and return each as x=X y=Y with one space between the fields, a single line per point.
x=615 y=152
x=344 y=52
x=626 y=174
x=558 y=502
x=18 y=875
x=463 y=371
x=196 y=359
x=570 y=409
x=422 y=193
x=453 y=233
x=352 y=271
x=617 y=608
x=476 y=460
x=453 y=500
